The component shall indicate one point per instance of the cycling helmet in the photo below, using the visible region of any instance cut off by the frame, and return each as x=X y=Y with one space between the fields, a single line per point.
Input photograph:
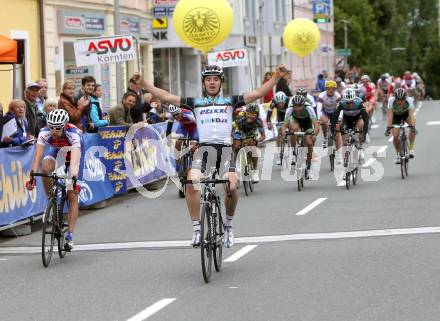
x=174 y=109
x=57 y=118
x=280 y=96
x=349 y=94
x=365 y=77
x=356 y=87
x=301 y=91
x=252 y=108
x=213 y=70
x=338 y=80
x=298 y=100
x=383 y=77
x=330 y=84
x=400 y=93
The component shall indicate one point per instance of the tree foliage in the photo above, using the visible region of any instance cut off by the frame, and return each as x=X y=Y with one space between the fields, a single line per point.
x=378 y=26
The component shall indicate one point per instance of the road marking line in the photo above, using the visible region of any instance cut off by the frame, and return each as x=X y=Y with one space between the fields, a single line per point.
x=341 y=183
x=375 y=126
x=233 y=287
x=242 y=252
x=433 y=123
x=238 y=240
x=308 y=208
x=382 y=150
x=369 y=162
x=148 y=312
x=3 y=259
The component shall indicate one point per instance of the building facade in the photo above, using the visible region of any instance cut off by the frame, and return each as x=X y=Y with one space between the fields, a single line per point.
x=20 y=20
x=67 y=21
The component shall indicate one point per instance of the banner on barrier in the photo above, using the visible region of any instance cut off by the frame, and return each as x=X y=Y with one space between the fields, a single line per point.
x=17 y=203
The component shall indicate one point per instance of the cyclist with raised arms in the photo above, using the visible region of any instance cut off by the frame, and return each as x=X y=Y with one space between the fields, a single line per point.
x=354 y=116
x=214 y=115
x=327 y=102
x=401 y=109
x=280 y=102
x=64 y=137
x=248 y=131
x=300 y=116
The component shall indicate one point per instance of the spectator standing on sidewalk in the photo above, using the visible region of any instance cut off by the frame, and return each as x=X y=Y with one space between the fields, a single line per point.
x=143 y=99
x=17 y=112
x=42 y=94
x=269 y=96
x=32 y=112
x=67 y=102
x=94 y=115
x=120 y=115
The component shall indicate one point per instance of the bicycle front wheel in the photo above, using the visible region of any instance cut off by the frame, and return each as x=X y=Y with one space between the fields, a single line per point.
x=206 y=241
x=61 y=228
x=218 y=243
x=48 y=233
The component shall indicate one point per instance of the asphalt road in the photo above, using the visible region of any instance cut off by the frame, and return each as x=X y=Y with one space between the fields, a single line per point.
x=368 y=253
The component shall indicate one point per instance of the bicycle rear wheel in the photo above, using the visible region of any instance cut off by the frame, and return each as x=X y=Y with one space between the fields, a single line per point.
x=48 y=232
x=354 y=175
x=206 y=242
x=332 y=160
x=251 y=170
x=218 y=243
x=347 y=180
x=61 y=228
x=282 y=152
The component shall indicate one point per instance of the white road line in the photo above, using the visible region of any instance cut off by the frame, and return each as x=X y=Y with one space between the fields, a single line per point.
x=148 y=312
x=369 y=162
x=433 y=123
x=382 y=150
x=341 y=183
x=238 y=240
x=242 y=252
x=375 y=126
x=3 y=259
x=308 y=208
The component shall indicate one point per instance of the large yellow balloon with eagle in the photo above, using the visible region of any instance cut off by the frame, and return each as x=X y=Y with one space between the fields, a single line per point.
x=301 y=36
x=203 y=24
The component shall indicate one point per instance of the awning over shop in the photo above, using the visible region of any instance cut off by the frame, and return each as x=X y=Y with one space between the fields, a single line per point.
x=8 y=51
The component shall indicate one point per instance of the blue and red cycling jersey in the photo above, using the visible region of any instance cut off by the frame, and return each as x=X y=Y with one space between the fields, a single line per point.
x=186 y=127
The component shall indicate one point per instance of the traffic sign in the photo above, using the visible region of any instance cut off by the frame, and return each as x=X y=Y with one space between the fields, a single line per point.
x=321 y=11
x=345 y=52
x=163 y=11
x=160 y=23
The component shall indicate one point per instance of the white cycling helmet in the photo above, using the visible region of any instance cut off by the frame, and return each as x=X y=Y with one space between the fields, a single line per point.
x=57 y=118
x=280 y=96
x=349 y=94
x=174 y=109
x=365 y=77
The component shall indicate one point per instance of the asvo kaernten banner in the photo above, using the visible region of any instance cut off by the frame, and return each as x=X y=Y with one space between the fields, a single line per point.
x=228 y=58
x=105 y=50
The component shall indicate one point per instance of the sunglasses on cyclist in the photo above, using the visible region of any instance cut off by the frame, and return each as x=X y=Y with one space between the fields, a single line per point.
x=58 y=128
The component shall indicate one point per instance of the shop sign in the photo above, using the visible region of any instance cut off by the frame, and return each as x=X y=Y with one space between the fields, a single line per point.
x=164 y=3
x=78 y=22
x=104 y=50
x=228 y=58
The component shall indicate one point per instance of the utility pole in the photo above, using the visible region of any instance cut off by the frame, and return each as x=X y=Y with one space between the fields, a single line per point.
x=345 y=22
x=119 y=87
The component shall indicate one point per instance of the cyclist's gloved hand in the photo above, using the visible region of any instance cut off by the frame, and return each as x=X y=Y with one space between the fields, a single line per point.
x=76 y=186
x=30 y=184
x=388 y=131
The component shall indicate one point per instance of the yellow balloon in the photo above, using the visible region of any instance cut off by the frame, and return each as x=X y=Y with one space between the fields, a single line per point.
x=301 y=36
x=203 y=24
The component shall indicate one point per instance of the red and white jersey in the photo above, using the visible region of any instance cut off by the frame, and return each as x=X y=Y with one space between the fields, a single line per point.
x=368 y=91
x=408 y=83
x=72 y=137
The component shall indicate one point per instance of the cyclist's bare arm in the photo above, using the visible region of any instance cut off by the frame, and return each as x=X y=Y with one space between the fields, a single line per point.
x=39 y=151
x=75 y=157
x=161 y=94
x=261 y=91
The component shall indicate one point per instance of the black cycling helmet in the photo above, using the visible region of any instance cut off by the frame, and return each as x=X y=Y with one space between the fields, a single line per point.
x=252 y=108
x=213 y=70
x=298 y=100
x=400 y=93
x=302 y=92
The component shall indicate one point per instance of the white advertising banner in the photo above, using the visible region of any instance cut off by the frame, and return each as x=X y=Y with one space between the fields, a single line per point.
x=228 y=58
x=104 y=50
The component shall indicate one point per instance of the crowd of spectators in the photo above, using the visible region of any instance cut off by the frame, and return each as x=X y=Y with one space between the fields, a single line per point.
x=23 y=119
